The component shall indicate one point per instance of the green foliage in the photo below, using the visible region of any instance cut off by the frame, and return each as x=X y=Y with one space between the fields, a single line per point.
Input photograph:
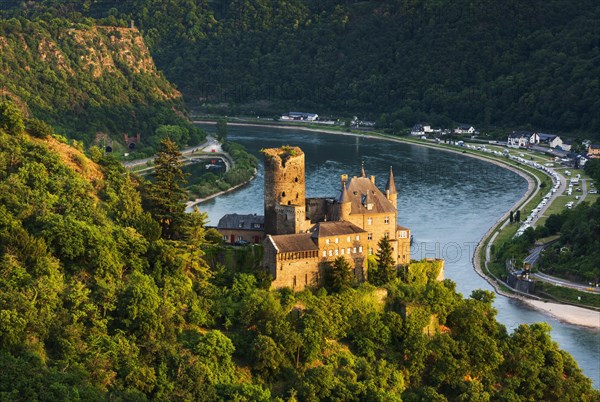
x=592 y=168
x=263 y=57
x=95 y=305
x=166 y=195
x=39 y=128
x=221 y=132
x=11 y=118
x=84 y=79
x=385 y=271
x=339 y=274
x=576 y=255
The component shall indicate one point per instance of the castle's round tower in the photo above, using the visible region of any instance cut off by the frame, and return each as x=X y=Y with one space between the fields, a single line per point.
x=285 y=189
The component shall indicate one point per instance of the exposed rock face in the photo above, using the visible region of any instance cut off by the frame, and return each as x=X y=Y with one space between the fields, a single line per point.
x=84 y=78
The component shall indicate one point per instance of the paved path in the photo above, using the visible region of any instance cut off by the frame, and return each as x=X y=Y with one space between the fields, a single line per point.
x=534 y=256
x=208 y=145
x=553 y=198
x=564 y=283
x=584 y=191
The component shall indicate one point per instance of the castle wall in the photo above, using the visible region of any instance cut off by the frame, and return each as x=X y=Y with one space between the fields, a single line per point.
x=298 y=273
x=284 y=185
x=317 y=209
x=376 y=226
x=290 y=219
x=353 y=247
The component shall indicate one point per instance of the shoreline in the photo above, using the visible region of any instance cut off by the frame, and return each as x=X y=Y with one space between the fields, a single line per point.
x=567 y=313
x=197 y=201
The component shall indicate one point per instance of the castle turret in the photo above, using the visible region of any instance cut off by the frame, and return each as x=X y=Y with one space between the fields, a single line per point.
x=345 y=202
x=390 y=189
x=285 y=191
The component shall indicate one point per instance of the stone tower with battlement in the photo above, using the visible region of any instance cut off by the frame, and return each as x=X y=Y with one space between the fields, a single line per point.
x=285 y=191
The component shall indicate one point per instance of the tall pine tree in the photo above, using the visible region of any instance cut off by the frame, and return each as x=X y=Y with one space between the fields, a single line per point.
x=386 y=265
x=167 y=196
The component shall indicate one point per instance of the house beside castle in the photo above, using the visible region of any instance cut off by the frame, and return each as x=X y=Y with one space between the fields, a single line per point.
x=302 y=234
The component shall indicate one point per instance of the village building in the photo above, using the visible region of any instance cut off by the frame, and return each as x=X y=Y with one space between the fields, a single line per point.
x=300 y=116
x=242 y=229
x=465 y=129
x=422 y=129
x=553 y=141
x=522 y=139
x=566 y=145
x=593 y=151
x=303 y=235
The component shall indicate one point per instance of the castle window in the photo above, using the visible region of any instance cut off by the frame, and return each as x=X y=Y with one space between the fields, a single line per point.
x=386 y=220
x=330 y=253
x=370 y=221
x=337 y=240
x=348 y=251
x=371 y=251
x=296 y=180
x=403 y=234
x=324 y=253
x=357 y=237
x=336 y=251
x=360 y=249
x=283 y=193
x=354 y=250
x=240 y=238
x=348 y=239
x=343 y=250
x=370 y=236
x=386 y=234
x=225 y=238
x=326 y=241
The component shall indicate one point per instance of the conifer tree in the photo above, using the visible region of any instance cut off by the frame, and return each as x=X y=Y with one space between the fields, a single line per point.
x=11 y=118
x=386 y=265
x=167 y=196
x=341 y=275
x=221 y=133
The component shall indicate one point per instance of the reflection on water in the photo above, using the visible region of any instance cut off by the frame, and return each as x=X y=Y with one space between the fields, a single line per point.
x=447 y=200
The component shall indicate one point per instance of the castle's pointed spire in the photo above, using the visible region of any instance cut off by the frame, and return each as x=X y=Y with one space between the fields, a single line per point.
x=344 y=196
x=363 y=169
x=390 y=187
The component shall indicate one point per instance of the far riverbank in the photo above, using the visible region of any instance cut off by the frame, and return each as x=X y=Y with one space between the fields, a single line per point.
x=585 y=317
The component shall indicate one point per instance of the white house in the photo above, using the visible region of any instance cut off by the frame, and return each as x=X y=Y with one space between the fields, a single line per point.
x=301 y=116
x=566 y=145
x=417 y=130
x=551 y=140
x=518 y=139
x=464 y=129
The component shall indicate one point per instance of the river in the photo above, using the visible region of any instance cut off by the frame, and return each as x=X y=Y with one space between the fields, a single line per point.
x=448 y=201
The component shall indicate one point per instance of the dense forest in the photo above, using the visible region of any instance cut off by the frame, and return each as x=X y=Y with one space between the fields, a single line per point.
x=510 y=63
x=110 y=291
x=91 y=82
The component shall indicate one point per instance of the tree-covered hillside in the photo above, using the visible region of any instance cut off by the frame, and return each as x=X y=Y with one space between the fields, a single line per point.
x=503 y=63
x=107 y=293
x=89 y=81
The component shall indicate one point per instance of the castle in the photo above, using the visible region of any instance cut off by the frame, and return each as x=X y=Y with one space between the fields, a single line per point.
x=303 y=234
